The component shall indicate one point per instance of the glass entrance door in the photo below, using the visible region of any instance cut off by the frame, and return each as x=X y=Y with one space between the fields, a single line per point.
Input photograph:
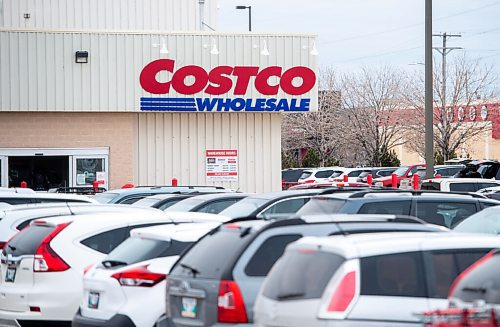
x=4 y=174
x=87 y=169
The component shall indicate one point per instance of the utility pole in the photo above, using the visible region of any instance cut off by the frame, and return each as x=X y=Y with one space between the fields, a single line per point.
x=429 y=110
x=444 y=50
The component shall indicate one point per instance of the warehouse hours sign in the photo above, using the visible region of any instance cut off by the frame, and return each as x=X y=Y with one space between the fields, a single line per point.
x=221 y=165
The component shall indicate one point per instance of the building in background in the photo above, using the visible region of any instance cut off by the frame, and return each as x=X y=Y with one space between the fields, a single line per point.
x=140 y=92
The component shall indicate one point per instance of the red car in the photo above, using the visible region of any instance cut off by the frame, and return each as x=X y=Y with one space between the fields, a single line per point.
x=402 y=173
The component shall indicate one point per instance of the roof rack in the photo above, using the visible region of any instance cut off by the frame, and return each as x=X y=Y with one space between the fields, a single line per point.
x=186 y=186
x=363 y=193
x=79 y=190
x=321 y=218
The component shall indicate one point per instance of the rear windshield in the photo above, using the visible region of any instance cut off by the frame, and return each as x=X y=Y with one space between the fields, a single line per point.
x=27 y=241
x=146 y=202
x=321 y=205
x=431 y=186
x=301 y=275
x=136 y=249
x=185 y=205
x=211 y=256
x=305 y=174
x=244 y=208
x=481 y=283
x=463 y=187
x=105 y=197
x=291 y=175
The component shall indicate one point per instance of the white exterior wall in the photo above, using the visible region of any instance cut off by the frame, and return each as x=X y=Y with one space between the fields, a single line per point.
x=173 y=145
x=38 y=70
x=158 y=15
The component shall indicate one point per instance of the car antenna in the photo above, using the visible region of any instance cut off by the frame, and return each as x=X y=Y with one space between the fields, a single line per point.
x=69 y=208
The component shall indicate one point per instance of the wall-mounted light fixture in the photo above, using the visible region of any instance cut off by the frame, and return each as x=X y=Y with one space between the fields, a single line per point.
x=81 y=57
x=265 y=50
x=314 y=51
x=214 y=49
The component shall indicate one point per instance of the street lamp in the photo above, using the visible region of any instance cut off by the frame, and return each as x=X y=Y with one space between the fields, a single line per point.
x=249 y=15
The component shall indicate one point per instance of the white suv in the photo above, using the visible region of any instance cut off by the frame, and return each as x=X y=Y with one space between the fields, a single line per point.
x=127 y=288
x=42 y=266
x=365 y=279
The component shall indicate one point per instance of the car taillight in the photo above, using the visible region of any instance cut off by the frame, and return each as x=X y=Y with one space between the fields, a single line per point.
x=309 y=181
x=230 y=305
x=139 y=276
x=46 y=259
x=343 y=294
x=2 y=245
x=467 y=271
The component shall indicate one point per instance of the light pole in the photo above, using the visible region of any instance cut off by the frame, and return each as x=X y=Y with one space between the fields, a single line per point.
x=429 y=110
x=249 y=15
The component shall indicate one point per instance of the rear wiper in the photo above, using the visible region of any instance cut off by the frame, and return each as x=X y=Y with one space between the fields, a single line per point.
x=113 y=263
x=475 y=289
x=290 y=295
x=13 y=248
x=194 y=271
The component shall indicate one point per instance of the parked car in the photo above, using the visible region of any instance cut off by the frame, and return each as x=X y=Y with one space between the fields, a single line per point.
x=444 y=171
x=162 y=201
x=491 y=192
x=329 y=185
x=269 y=205
x=458 y=184
x=402 y=173
x=127 y=288
x=376 y=173
x=15 y=198
x=290 y=177
x=15 y=218
x=489 y=169
x=209 y=203
x=474 y=297
x=351 y=173
x=132 y=195
x=216 y=282
x=365 y=279
x=444 y=209
x=316 y=175
x=41 y=266
x=486 y=221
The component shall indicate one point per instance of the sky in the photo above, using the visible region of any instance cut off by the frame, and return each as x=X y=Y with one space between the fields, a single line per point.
x=366 y=33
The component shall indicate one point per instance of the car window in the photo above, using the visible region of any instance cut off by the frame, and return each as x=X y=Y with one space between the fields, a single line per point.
x=323 y=174
x=337 y=173
x=105 y=197
x=244 y=208
x=398 y=274
x=386 y=207
x=132 y=199
x=105 y=242
x=446 y=214
x=481 y=283
x=386 y=172
x=486 y=185
x=463 y=187
x=168 y=203
x=267 y=254
x=354 y=173
x=301 y=275
x=305 y=174
x=485 y=204
x=321 y=205
x=284 y=207
x=217 y=206
x=212 y=255
x=414 y=169
x=431 y=186
x=497 y=176
x=27 y=241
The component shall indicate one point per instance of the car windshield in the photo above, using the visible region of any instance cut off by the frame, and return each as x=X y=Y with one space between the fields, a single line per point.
x=401 y=171
x=105 y=197
x=244 y=208
x=185 y=205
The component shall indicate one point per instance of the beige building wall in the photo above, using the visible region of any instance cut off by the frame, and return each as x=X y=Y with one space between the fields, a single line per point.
x=75 y=130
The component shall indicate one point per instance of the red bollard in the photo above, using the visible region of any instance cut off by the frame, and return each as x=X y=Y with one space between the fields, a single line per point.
x=174 y=181
x=95 y=185
x=415 y=182
x=24 y=184
x=369 y=179
x=128 y=185
x=394 y=180
x=438 y=176
x=346 y=178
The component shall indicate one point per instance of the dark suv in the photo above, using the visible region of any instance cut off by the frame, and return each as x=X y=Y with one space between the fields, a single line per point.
x=440 y=208
x=216 y=281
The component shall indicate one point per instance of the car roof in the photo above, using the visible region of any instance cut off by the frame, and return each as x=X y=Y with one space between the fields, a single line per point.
x=17 y=190
x=399 y=194
x=461 y=180
x=188 y=232
x=371 y=244
x=212 y=196
x=163 y=189
x=284 y=194
x=56 y=196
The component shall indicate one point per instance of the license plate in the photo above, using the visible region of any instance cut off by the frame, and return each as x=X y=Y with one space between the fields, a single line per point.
x=188 y=307
x=93 y=300
x=10 y=274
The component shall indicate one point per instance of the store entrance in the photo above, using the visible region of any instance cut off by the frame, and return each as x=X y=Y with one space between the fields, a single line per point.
x=40 y=172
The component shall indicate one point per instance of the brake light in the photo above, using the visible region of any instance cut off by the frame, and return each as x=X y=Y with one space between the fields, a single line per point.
x=309 y=181
x=139 y=276
x=46 y=259
x=344 y=294
x=467 y=271
x=2 y=245
x=230 y=305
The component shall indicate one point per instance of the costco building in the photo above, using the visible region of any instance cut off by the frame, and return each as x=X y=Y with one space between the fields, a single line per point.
x=135 y=91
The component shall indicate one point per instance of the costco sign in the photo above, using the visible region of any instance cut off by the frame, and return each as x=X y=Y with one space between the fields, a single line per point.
x=225 y=88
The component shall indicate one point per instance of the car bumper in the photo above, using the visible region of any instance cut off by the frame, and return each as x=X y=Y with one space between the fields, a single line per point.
x=117 y=320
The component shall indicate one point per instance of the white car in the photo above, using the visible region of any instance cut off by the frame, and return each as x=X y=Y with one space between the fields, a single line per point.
x=352 y=174
x=32 y=197
x=42 y=266
x=127 y=288
x=373 y=279
x=458 y=184
x=316 y=175
x=15 y=218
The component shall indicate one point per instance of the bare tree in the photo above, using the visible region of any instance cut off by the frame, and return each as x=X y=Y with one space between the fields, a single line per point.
x=369 y=100
x=457 y=103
